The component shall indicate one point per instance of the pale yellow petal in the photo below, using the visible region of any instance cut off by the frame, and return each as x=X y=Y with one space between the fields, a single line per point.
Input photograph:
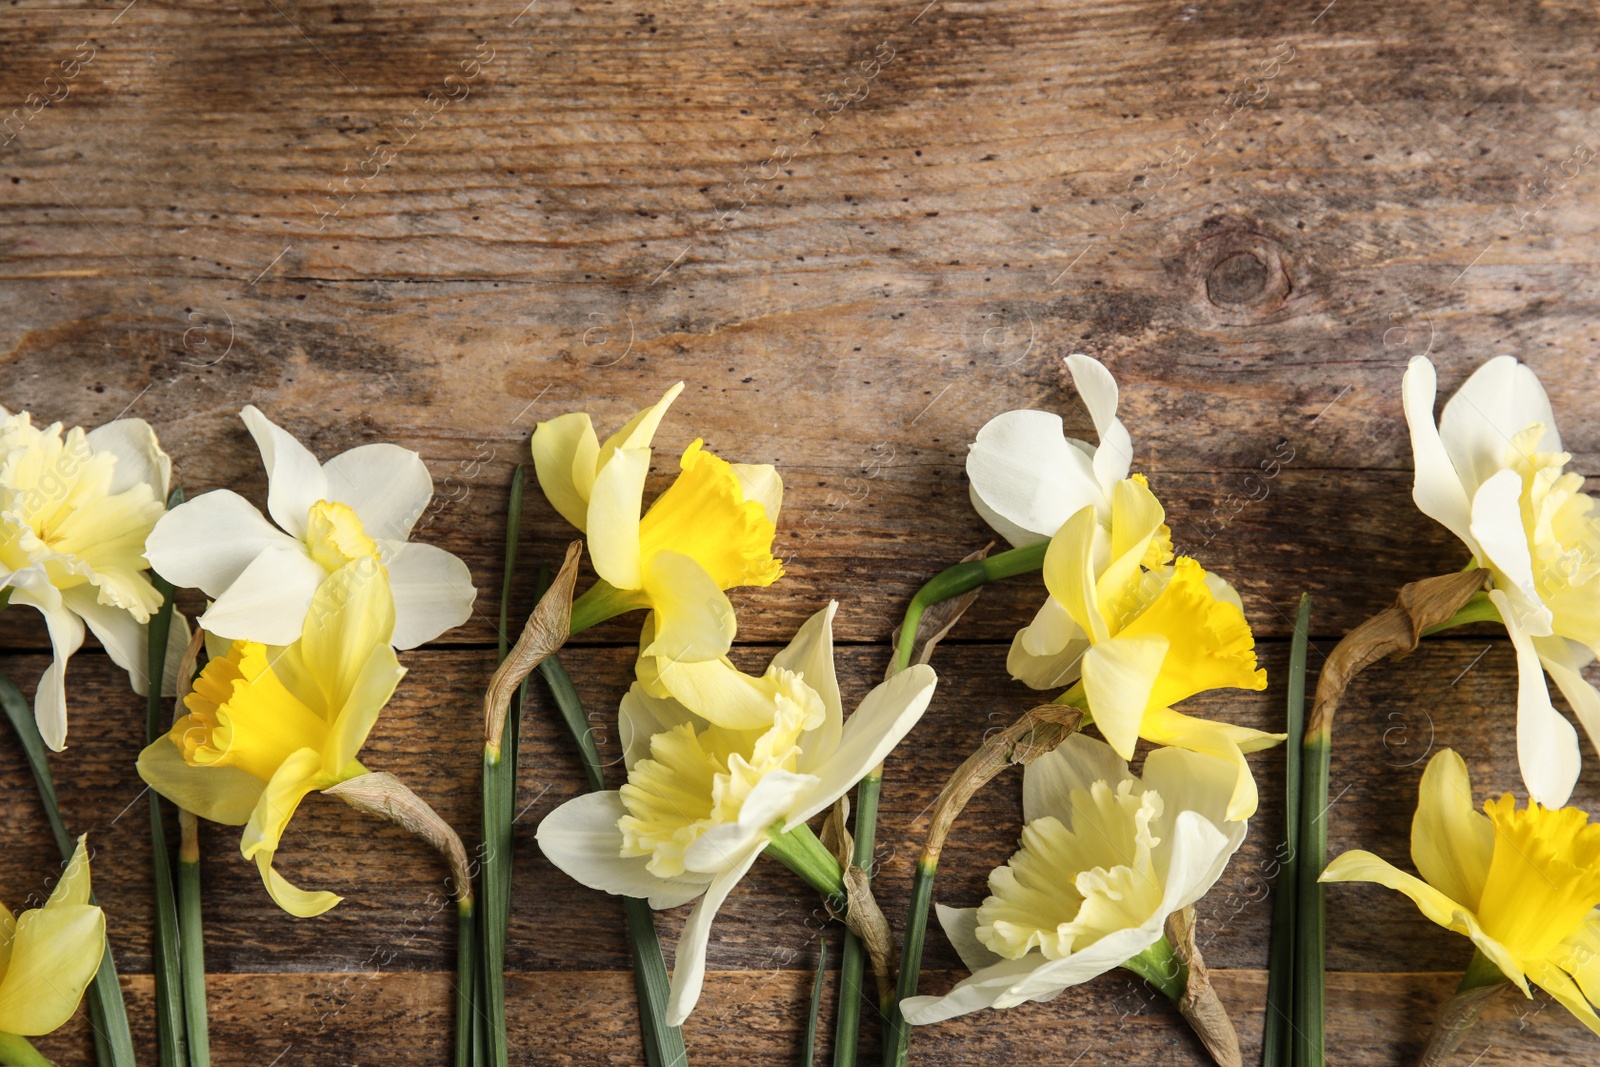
x=1069 y=572
x=351 y=617
x=54 y=956
x=1451 y=841
x=565 y=453
x=73 y=889
x=640 y=430
x=614 y=510
x=1118 y=676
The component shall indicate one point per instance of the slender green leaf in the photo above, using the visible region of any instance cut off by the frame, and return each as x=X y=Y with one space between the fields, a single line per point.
x=191 y=940
x=168 y=960
x=108 y=1014
x=1276 y=1050
x=852 y=962
x=897 y=1034
x=808 y=1046
x=1308 y=994
x=663 y=1044
x=466 y=983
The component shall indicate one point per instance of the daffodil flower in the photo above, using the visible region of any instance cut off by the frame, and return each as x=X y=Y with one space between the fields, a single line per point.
x=75 y=511
x=1027 y=477
x=1106 y=857
x=710 y=530
x=1140 y=633
x=1522 y=884
x=1493 y=472
x=268 y=725
x=49 y=955
x=703 y=801
x=361 y=504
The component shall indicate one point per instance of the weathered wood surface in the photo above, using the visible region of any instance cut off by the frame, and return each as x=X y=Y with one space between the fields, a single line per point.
x=1254 y=212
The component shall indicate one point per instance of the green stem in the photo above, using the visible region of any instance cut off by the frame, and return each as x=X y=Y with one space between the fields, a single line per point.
x=808 y=1045
x=1160 y=966
x=602 y=601
x=663 y=1044
x=1276 y=1050
x=852 y=963
x=171 y=1048
x=1481 y=972
x=897 y=1037
x=1309 y=981
x=466 y=983
x=1478 y=608
x=801 y=852
x=108 y=1014
x=18 y=1051
x=963 y=578
x=191 y=939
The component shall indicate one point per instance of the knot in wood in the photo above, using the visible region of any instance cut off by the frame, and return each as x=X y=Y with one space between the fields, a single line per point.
x=1238 y=279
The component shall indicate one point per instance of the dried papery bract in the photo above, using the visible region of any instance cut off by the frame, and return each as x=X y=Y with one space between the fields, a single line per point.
x=1199 y=1003
x=546 y=630
x=1420 y=607
x=385 y=796
x=1458 y=1015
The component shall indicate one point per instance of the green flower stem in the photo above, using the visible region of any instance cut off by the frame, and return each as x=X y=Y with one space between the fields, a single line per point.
x=1481 y=972
x=19 y=1052
x=191 y=940
x=801 y=852
x=963 y=578
x=171 y=1049
x=897 y=1036
x=1160 y=966
x=1276 y=1047
x=808 y=1045
x=663 y=1044
x=466 y=983
x=108 y=1014
x=602 y=601
x=1478 y=608
x=1308 y=993
x=947 y=584
x=499 y=800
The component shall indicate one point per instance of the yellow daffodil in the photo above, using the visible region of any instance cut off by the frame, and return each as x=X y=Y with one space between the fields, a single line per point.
x=75 y=511
x=703 y=800
x=1027 y=477
x=361 y=504
x=1493 y=472
x=1141 y=633
x=1522 y=884
x=1106 y=857
x=49 y=955
x=268 y=725
x=709 y=531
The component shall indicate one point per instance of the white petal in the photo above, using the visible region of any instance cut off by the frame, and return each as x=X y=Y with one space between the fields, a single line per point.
x=642 y=716
x=294 y=477
x=581 y=838
x=1077 y=763
x=886 y=715
x=127 y=641
x=1547 y=744
x=433 y=591
x=1497 y=526
x=1565 y=660
x=1099 y=391
x=388 y=487
x=32 y=587
x=982 y=990
x=1437 y=488
x=689 y=965
x=207 y=542
x=810 y=655
x=269 y=601
x=961 y=927
x=771 y=801
x=1195 y=851
x=1026 y=474
x=140 y=460
x=1499 y=401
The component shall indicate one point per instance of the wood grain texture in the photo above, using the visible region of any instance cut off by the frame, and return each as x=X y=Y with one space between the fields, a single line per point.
x=1253 y=211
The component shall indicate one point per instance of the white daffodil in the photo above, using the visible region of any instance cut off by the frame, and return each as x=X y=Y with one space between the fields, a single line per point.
x=702 y=801
x=1106 y=857
x=1493 y=472
x=1028 y=477
x=360 y=504
x=75 y=511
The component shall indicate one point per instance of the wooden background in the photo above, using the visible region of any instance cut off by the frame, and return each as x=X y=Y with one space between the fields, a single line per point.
x=1253 y=212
